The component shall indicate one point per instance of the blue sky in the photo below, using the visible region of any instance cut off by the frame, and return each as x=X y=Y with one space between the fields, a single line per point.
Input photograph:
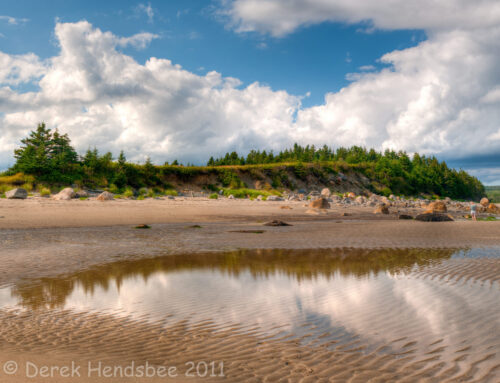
x=255 y=74
x=313 y=61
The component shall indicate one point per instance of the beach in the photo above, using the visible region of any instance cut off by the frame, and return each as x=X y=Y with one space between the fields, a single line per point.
x=67 y=267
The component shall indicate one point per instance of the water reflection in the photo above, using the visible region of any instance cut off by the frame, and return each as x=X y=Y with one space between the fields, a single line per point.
x=374 y=300
x=298 y=264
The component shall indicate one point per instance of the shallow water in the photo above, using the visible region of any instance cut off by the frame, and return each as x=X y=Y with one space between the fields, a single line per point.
x=410 y=304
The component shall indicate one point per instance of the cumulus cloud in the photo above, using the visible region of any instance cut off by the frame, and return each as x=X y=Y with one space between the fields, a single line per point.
x=103 y=97
x=441 y=96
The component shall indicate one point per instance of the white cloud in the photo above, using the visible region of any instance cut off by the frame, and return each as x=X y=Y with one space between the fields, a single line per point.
x=13 y=20
x=280 y=17
x=102 y=97
x=146 y=9
x=440 y=96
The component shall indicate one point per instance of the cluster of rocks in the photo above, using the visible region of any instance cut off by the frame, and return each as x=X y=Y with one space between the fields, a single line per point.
x=64 y=195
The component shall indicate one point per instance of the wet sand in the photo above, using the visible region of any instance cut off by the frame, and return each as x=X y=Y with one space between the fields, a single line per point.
x=44 y=240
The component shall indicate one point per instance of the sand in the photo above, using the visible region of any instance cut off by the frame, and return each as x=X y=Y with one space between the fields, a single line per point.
x=41 y=238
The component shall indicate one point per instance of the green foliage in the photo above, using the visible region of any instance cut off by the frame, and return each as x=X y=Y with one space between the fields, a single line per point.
x=251 y=193
x=48 y=157
x=493 y=193
x=213 y=196
x=44 y=192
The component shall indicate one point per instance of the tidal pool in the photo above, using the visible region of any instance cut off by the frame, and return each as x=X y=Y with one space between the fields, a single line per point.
x=432 y=307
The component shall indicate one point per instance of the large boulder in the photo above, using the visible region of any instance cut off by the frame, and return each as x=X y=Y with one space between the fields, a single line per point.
x=320 y=203
x=436 y=207
x=17 y=193
x=326 y=193
x=484 y=201
x=381 y=209
x=105 y=196
x=65 y=195
x=492 y=208
x=433 y=217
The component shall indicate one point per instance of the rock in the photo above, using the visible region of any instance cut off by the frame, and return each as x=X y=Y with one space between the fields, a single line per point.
x=276 y=223
x=170 y=197
x=65 y=195
x=484 y=201
x=230 y=196
x=335 y=198
x=405 y=216
x=274 y=198
x=392 y=196
x=259 y=198
x=351 y=195
x=105 y=196
x=436 y=207
x=326 y=193
x=492 y=208
x=314 y=193
x=360 y=199
x=433 y=217
x=286 y=207
x=17 y=193
x=344 y=214
x=447 y=200
x=381 y=209
x=320 y=203
x=386 y=201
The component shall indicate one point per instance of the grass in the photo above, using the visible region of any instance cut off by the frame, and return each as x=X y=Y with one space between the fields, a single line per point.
x=17 y=179
x=252 y=193
x=213 y=196
x=144 y=226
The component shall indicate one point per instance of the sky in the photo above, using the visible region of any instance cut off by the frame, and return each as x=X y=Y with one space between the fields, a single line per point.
x=189 y=79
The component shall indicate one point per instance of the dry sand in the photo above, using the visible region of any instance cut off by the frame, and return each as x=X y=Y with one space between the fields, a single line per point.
x=42 y=238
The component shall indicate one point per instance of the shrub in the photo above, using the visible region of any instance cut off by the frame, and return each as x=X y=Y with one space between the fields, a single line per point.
x=214 y=196
x=114 y=189
x=251 y=193
x=128 y=193
x=44 y=192
x=171 y=192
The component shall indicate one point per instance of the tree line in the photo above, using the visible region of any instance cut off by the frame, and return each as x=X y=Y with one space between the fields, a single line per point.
x=49 y=156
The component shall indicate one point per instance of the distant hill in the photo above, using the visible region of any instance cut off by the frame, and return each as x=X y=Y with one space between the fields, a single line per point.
x=47 y=158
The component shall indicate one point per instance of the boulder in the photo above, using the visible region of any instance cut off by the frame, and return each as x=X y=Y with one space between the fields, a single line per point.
x=386 y=201
x=492 y=208
x=320 y=203
x=105 y=196
x=274 y=198
x=360 y=199
x=17 y=193
x=65 y=195
x=259 y=198
x=335 y=198
x=276 y=223
x=381 y=209
x=433 y=217
x=230 y=196
x=484 y=201
x=326 y=193
x=436 y=207
x=405 y=216
x=392 y=196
